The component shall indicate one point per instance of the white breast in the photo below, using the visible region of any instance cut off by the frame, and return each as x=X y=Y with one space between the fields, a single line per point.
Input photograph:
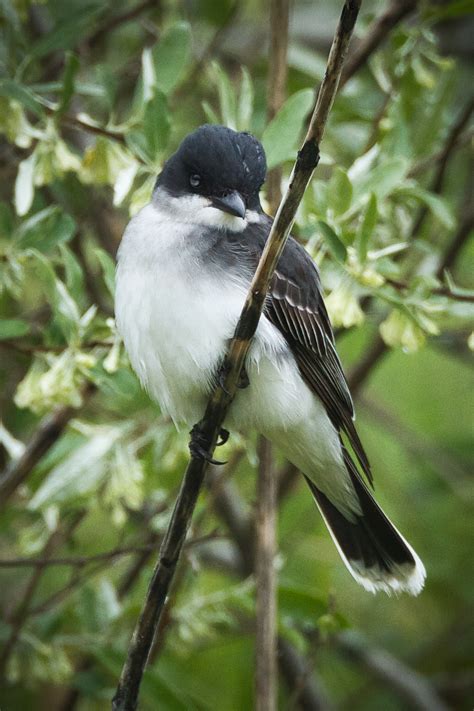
x=174 y=317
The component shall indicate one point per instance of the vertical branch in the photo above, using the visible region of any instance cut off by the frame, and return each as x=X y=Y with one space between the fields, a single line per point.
x=266 y=682
x=265 y=645
x=279 y=20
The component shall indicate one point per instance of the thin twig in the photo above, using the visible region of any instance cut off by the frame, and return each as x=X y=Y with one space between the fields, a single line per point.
x=442 y=164
x=366 y=364
x=126 y=584
x=438 y=290
x=417 y=692
x=20 y=615
x=278 y=71
x=421 y=447
x=266 y=584
x=376 y=35
x=81 y=561
x=114 y=22
x=426 y=163
x=48 y=432
x=126 y=695
x=75 y=122
x=460 y=238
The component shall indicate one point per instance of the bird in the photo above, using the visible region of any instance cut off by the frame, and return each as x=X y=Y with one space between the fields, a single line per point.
x=184 y=267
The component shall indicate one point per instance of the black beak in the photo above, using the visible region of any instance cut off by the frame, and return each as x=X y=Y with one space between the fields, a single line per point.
x=233 y=203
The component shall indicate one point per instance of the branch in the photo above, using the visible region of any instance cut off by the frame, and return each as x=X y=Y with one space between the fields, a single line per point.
x=126 y=695
x=460 y=238
x=266 y=584
x=125 y=585
x=439 y=290
x=376 y=35
x=48 y=432
x=118 y=20
x=411 y=686
x=278 y=71
x=430 y=161
x=369 y=360
x=20 y=615
x=81 y=561
x=266 y=680
x=447 y=150
x=421 y=447
x=228 y=505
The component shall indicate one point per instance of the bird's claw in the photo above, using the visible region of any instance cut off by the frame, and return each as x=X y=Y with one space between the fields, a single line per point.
x=221 y=378
x=224 y=436
x=199 y=446
x=244 y=381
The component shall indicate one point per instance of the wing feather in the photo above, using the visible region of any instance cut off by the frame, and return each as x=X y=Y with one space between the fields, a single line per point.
x=302 y=318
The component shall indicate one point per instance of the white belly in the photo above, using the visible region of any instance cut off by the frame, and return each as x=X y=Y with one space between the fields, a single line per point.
x=176 y=321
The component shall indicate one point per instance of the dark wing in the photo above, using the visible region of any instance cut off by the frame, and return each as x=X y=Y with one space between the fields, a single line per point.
x=300 y=314
x=295 y=306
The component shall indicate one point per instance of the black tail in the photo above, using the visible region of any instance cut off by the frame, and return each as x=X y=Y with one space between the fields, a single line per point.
x=375 y=553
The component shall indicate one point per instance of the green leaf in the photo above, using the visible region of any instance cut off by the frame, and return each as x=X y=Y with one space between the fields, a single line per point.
x=64 y=307
x=80 y=472
x=22 y=94
x=45 y=230
x=282 y=133
x=69 y=78
x=246 y=100
x=333 y=241
x=74 y=274
x=68 y=33
x=24 y=185
x=152 y=141
x=436 y=204
x=98 y=605
x=227 y=99
x=382 y=179
x=13 y=328
x=108 y=269
x=366 y=228
x=339 y=193
x=171 y=56
x=300 y=604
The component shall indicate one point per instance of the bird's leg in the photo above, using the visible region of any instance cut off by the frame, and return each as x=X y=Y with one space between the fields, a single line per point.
x=199 y=445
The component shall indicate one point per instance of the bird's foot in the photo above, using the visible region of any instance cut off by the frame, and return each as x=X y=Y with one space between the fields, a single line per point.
x=199 y=445
x=224 y=436
x=242 y=383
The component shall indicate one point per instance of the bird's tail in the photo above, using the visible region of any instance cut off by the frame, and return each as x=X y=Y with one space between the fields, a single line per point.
x=375 y=553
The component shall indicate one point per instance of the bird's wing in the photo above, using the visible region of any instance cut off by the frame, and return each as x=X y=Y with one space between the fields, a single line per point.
x=300 y=314
x=295 y=306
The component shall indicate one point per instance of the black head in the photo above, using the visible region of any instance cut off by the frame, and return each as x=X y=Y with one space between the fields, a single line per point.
x=220 y=164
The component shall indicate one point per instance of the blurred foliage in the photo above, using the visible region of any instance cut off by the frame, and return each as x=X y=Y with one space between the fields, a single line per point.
x=93 y=98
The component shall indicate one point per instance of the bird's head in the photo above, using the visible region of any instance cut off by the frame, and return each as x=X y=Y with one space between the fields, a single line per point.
x=214 y=169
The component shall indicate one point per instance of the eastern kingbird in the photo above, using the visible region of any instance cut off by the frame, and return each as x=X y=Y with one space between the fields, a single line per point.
x=184 y=268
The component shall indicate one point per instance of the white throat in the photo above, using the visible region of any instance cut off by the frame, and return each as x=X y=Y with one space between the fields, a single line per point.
x=198 y=210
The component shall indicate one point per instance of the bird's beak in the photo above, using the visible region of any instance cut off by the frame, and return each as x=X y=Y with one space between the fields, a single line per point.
x=233 y=203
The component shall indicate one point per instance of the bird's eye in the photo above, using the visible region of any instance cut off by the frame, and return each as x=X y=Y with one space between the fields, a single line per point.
x=195 y=180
